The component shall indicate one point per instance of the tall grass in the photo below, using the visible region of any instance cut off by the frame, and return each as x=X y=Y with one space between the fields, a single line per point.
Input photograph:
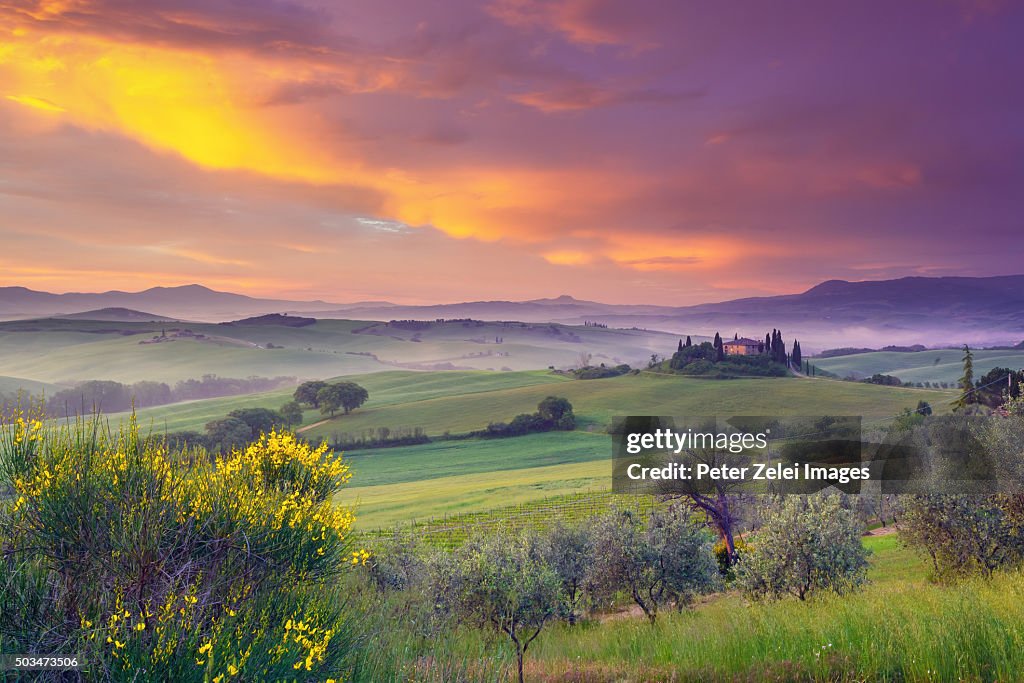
x=894 y=631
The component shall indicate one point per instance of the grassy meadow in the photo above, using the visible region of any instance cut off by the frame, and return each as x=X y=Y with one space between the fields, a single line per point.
x=937 y=365
x=65 y=351
x=449 y=477
x=10 y=386
x=899 y=628
x=596 y=401
x=386 y=389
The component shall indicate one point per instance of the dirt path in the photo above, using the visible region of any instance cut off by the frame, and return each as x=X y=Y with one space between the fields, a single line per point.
x=315 y=424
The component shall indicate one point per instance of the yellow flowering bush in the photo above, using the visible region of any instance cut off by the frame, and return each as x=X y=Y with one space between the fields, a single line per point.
x=173 y=563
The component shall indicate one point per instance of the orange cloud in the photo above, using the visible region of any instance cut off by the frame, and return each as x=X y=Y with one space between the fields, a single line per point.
x=197 y=255
x=577 y=20
x=35 y=102
x=201 y=107
x=568 y=258
x=682 y=252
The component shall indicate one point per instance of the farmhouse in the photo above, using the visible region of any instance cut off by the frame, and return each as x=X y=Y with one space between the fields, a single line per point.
x=742 y=347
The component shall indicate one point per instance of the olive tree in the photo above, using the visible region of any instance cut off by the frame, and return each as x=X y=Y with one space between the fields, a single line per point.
x=664 y=558
x=964 y=534
x=569 y=551
x=501 y=581
x=396 y=562
x=806 y=544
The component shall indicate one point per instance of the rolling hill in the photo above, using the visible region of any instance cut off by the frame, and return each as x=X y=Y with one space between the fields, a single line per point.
x=931 y=311
x=188 y=302
x=117 y=315
x=924 y=310
x=449 y=476
x=62 y=350
x=935 y=365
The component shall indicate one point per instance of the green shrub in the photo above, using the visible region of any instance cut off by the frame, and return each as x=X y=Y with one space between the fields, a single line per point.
x=145 y=559
x=500 y=581
x=964 y=534
x=664 y=558
x=808 y=544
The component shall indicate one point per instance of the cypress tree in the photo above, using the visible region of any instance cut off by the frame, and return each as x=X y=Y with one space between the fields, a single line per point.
x=680 y=348
x=967 y=395
x=796 y=354
x=688 y=341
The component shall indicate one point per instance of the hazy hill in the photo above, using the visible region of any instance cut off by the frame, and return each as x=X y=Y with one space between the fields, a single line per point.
x=189 y=302
x=931 y=311
x=117 y=315
x=913 y=310
x=564 y=309
x=61 y=350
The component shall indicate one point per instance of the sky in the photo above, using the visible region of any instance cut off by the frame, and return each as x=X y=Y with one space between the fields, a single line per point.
x=423 y=151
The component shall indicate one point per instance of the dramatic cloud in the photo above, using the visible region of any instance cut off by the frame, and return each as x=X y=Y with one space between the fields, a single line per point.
x=661 y=151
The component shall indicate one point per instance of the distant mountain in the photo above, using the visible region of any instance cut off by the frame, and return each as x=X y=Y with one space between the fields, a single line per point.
x=912 y=310
x=188 y=302
x=909 y=310
x=118 y=315
x=932 y=311
x=560 y=309
x=273 y=319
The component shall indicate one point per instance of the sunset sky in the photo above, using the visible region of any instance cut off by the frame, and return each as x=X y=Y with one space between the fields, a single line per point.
x=419 y=151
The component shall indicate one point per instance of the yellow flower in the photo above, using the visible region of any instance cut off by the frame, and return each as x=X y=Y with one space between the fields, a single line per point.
x=140 y=626
x=206 y=647
x=232 y=669
x=118 y=644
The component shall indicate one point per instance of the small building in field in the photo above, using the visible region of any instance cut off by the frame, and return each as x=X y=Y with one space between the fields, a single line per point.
x=742 y=347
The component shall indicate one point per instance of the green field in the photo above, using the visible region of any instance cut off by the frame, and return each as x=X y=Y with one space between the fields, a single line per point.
x=597 y=401
x=451 y=530
x=447 y=477
x=382 y=466
x=460 y=402
x=390 y=504
x=10 y=386
x=62 y=351
x=939 y=365
x=386 y=389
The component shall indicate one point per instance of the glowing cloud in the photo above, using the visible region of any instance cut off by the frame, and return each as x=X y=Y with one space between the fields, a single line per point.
x=35 y=103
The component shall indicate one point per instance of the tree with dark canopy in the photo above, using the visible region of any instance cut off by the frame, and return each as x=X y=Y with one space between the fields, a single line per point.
x=308 y=393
